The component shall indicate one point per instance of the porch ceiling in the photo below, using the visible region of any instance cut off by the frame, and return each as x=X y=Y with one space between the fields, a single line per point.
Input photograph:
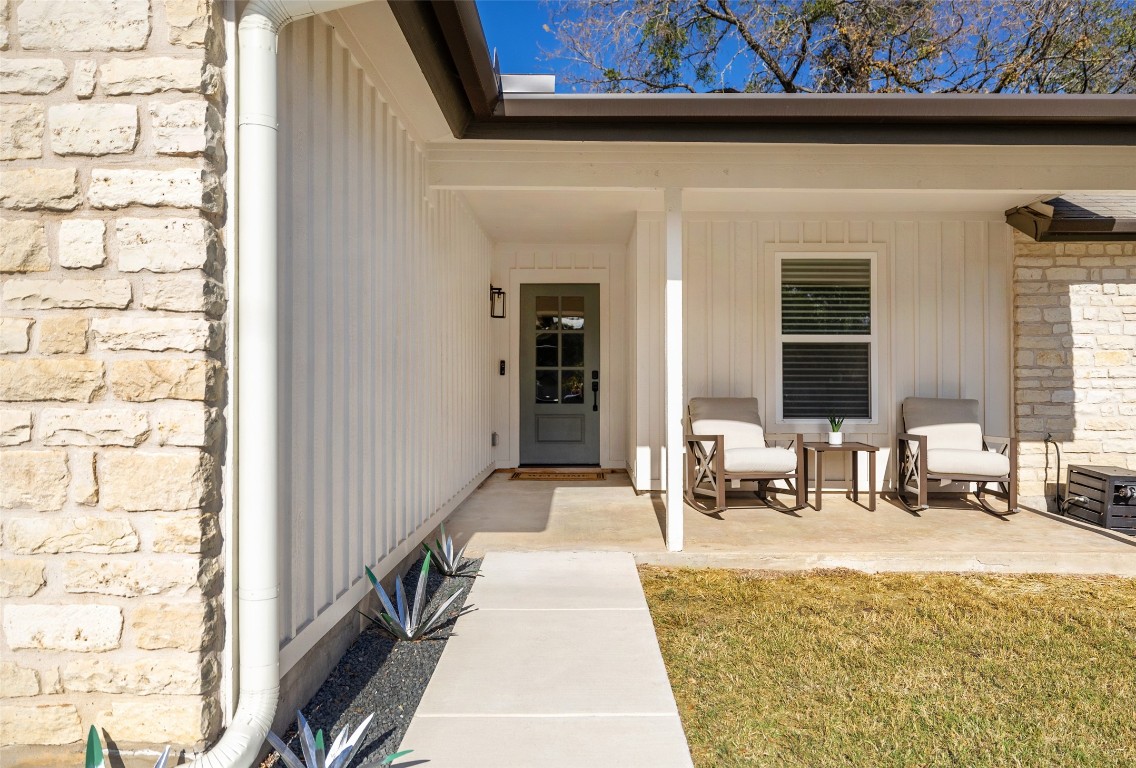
x=607 y=216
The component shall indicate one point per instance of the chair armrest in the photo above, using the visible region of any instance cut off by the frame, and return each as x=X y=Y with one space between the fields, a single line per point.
x=702 y=438
x=906 y=437
x=773 y=437
x=1010 y=443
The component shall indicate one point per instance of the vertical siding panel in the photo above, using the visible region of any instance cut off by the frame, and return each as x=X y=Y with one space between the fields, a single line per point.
x=904 y=300
x=927 y=317
x=372 y=465
x=812 y=232
x=766 y=356
x=387 y=413
x=718 y=336
x=950 y=310
x=973 y=331
x=287 y=231
x=321 y=331
x=357 y=323
x=744 y=302
x=695 y=302
x=338 y=306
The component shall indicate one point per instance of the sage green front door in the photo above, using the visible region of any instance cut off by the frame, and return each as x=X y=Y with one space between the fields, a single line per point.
x=561 y=381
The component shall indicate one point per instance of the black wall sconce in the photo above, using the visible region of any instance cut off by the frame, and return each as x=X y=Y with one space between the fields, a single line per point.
x=496 y=301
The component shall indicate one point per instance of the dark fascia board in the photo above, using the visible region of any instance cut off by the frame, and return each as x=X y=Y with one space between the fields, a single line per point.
x=817 y=107
x=449 y=43
x=423 y=32
x=895 y=132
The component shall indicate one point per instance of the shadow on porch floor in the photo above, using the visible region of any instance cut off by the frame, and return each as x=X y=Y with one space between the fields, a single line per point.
x=506 y=515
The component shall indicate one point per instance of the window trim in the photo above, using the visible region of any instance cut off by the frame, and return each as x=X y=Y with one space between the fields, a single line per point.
x=874 y=254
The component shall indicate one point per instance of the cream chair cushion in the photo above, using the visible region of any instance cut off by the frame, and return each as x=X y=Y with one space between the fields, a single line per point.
x=735 y=418
x=948 y=424
x=959 y=463
x=771 y=460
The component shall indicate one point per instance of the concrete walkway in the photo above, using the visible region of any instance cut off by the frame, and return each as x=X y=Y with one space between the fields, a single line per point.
x=558 y=666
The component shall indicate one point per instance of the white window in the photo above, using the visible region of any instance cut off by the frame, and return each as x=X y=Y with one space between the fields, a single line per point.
x=826 y=336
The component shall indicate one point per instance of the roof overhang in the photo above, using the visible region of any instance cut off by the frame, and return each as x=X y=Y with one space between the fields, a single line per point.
x=1077 y=218
x=448 y=41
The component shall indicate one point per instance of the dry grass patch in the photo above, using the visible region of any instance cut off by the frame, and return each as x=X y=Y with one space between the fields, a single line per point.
x=842 y=668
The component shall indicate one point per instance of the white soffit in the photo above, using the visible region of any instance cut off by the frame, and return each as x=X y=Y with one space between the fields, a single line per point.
x=885 y=202
x=607 y=216
x=376 y=40
x=561 y=216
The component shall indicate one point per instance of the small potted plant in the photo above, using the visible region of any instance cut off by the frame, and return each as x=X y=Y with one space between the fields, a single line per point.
x=834 y=435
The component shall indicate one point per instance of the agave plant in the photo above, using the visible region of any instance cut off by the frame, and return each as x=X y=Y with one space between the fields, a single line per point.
x=97 y=759
x=448 y=561
x=342 y=748
x=403 y=621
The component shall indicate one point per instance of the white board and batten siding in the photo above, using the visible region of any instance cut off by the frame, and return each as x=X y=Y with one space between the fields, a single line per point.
x=517 y=264
x=944 y=318
x=384 y=333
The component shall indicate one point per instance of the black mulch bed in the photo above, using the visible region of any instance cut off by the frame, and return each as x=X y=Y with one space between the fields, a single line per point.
x=380 y=675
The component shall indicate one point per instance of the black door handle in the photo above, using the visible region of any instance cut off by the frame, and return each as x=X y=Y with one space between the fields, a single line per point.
x=595 y=394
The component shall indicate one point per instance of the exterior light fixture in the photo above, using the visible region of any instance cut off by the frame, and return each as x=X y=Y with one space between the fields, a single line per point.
x=496 y=301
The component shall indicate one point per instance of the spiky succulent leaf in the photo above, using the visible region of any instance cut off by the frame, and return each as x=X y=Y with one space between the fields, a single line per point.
x=386 y=760
x=287 y=755
x=400 y=601
x=307 y=741
x=321 y=754
x=343 y=747
x=420 y=591
x=437 y=615
x=382 y=593
x=163 y=759
x=447 y=544
x=94 y=749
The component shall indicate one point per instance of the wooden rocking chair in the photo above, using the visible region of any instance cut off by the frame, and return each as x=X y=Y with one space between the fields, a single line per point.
x=943 y=441
x=726 y=444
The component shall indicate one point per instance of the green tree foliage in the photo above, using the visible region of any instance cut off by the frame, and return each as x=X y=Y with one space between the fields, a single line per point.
x=848 y=46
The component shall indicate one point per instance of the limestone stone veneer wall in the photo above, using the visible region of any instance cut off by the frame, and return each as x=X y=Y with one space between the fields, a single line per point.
x=1075 y=365
x=112 y=337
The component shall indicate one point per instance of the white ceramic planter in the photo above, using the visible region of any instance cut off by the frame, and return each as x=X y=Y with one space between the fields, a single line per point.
x=836 y=438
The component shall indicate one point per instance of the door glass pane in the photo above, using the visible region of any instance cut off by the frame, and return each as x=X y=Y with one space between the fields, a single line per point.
x=572 y=313
x=546 y=350
x=573 y=344
x=572 y=386
x=547 y=308
x=546 y=387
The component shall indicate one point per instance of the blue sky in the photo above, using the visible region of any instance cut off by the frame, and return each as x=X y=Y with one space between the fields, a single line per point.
x=515 y=29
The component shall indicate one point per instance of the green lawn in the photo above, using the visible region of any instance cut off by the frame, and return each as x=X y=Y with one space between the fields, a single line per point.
x=836 y=668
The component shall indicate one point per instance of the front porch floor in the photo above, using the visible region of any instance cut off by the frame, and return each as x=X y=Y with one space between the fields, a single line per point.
x=524 y=515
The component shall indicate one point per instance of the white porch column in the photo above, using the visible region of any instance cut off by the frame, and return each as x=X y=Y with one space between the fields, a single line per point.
x=673 y=365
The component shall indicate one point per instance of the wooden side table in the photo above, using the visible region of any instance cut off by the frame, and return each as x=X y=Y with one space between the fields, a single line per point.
x=854 y=448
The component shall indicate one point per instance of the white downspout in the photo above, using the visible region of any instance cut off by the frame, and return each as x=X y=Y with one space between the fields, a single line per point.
x=258 y=582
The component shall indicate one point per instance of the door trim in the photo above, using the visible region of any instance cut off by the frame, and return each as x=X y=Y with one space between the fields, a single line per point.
x=519 y=277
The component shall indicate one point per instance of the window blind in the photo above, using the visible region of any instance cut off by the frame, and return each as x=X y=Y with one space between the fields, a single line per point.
x=822 y=374
x=826 y=297
x=822 y=380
